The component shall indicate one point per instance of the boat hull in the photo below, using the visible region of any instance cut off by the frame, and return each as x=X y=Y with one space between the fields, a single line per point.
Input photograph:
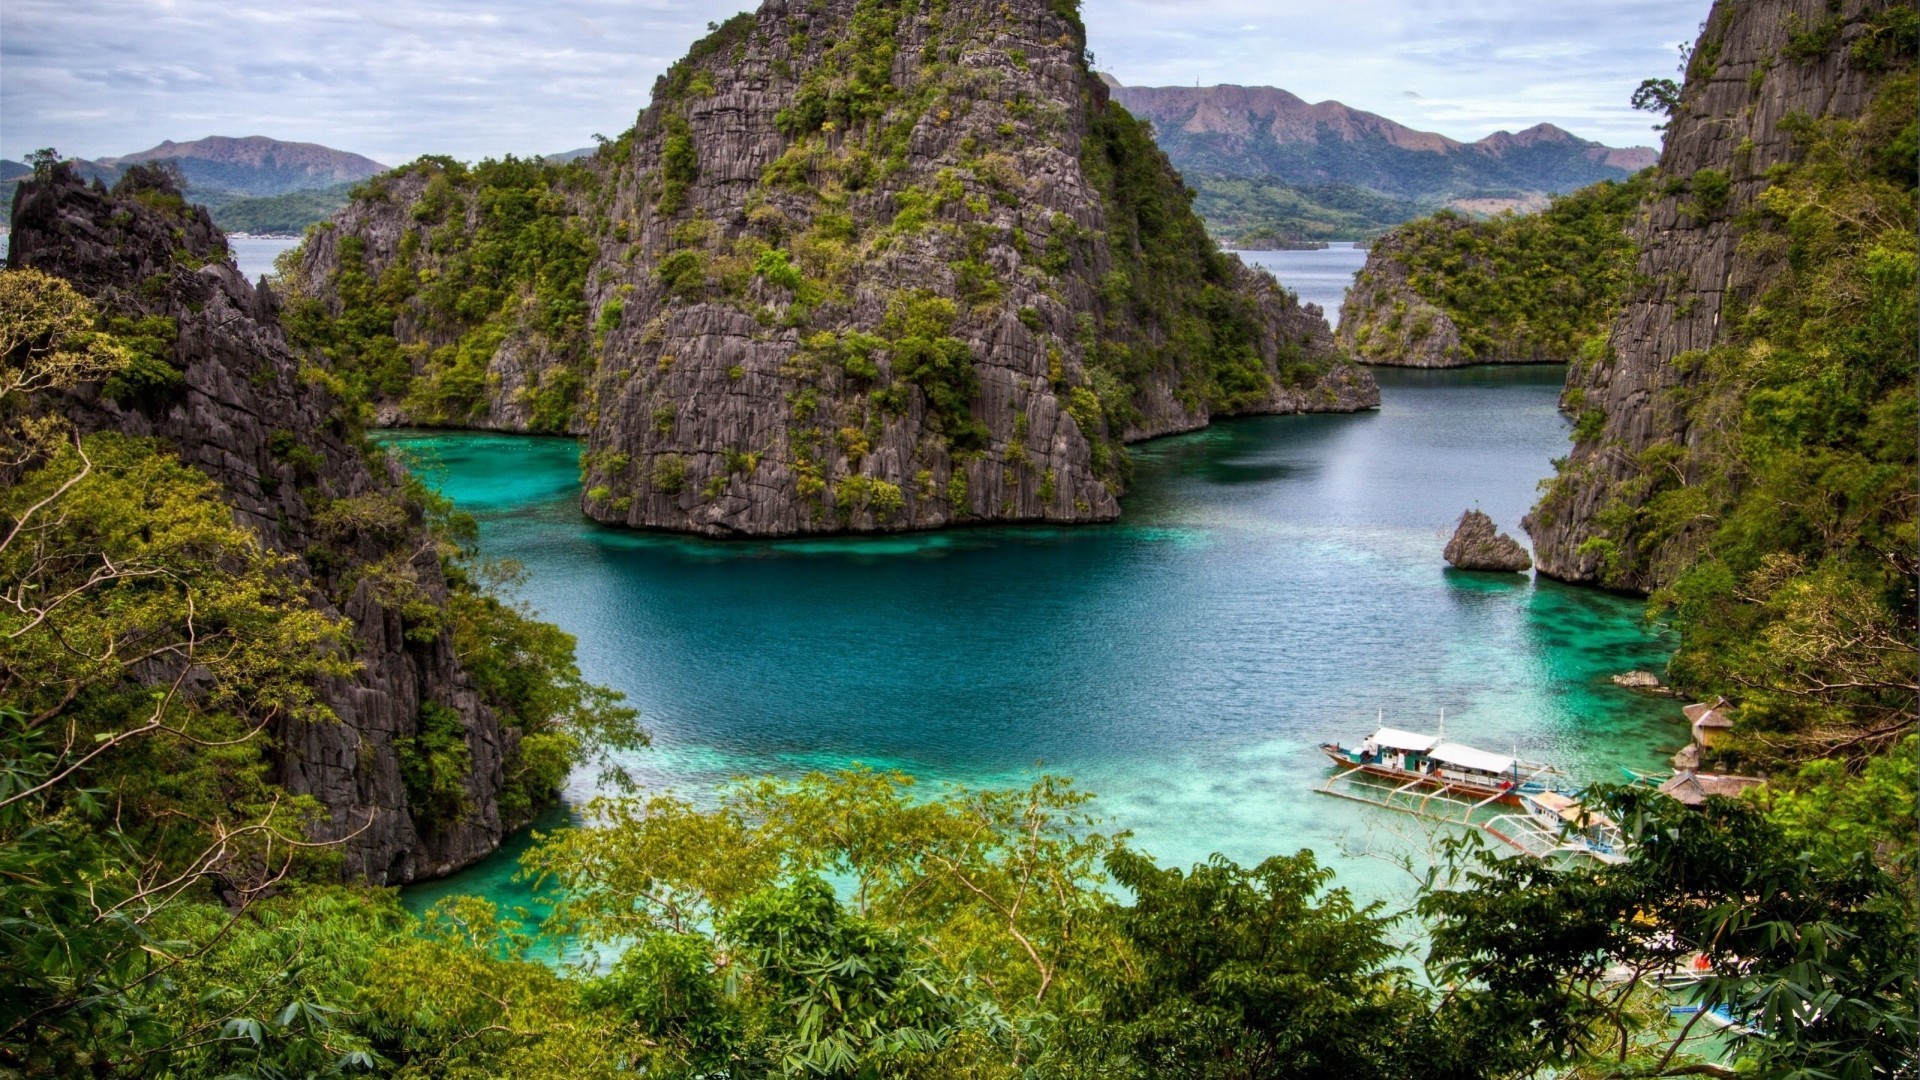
x=1504 y=795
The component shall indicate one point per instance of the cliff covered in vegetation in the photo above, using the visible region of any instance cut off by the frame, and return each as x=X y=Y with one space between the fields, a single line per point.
x=1447 y=291
x=1744 y=448
x=248 y=593
x=860 y=266
x=202 y=563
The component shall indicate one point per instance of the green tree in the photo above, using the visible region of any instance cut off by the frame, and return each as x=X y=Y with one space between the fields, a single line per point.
x=1815 y=955
x=1236 y=973
x=999 y=890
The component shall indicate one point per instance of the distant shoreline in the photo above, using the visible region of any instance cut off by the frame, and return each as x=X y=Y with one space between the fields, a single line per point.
x=1285 y=245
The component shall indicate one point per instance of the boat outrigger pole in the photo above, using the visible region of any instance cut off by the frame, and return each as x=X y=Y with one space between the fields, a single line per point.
x=1428 y=777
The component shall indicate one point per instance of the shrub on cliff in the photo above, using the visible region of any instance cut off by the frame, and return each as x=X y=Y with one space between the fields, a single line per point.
x=1782 y=531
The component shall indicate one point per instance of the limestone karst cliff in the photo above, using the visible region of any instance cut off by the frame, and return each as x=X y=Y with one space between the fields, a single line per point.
x=861 y=265
x=1385 y=319
x=217 y=383
x=1781 y=174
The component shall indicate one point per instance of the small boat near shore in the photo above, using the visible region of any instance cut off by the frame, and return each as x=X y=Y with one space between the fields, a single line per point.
x=1430 y=762
x=1449 y=782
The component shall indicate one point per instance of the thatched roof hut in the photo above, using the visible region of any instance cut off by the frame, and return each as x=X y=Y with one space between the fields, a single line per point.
x=1694 y=789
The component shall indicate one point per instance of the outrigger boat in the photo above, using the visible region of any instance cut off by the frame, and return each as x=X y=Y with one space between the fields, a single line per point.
x=1427 y=776
x=1427 y=761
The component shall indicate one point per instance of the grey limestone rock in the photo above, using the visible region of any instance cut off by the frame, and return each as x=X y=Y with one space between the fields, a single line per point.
x=992 y=174
x=1478 y=545
x=243 y=394
x=1733 y=117
x=1384 y=321
x=1640 y=680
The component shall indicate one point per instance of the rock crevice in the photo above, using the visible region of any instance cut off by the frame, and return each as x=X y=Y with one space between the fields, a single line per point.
x=246 y=415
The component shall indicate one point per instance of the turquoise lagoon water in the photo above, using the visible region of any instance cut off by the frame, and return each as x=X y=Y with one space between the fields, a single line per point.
x=1275 y=582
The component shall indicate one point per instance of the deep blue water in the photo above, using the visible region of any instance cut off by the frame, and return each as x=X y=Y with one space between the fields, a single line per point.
x=1275 y=582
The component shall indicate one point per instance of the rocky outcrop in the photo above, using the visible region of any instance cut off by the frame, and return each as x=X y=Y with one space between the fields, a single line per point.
x=1761 y=70
x=1384 y=321
x=1478 y=545
x=243 y=411
x=385 y=235
x=1447 y=291
x=871 y=267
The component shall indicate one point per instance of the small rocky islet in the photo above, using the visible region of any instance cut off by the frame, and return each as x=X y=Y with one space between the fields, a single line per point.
x=1478 y=545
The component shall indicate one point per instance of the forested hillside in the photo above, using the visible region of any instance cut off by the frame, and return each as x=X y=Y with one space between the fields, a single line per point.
x=1744 y=447
x=1447 y=291
x=250 y=670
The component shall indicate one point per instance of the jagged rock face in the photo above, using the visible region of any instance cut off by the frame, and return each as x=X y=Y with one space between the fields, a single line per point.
x=866 y=267
x=384 y=229
x=248 y=417
x=1384 y=321
x=986 y=143
x=1732 y=125
x=1478 y=545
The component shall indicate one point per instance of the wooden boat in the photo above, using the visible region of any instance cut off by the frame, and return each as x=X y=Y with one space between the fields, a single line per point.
x=1428 y=762
x=1428 y=777
x=1556 y=825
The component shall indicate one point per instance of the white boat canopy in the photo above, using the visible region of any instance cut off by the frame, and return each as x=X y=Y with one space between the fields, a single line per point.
x=1395 y=739
x=1466 y=757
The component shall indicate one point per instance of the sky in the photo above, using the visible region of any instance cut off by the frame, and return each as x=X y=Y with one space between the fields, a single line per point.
x=394 y=79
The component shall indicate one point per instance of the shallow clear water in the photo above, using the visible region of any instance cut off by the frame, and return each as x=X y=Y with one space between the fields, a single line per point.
x=1318 y=277
x=1275 y=582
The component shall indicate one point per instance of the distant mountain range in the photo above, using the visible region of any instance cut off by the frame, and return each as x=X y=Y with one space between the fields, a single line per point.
x=256 y=165
x=252 y=184
x=1269 y=165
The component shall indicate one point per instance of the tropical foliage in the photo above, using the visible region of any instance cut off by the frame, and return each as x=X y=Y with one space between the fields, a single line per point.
x=1539 y=286
x=150 y=650
x=163 y=912
x=494 y=253
x=1781 y=532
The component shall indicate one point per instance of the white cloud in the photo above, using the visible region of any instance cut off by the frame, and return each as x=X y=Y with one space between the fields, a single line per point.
x=397 y=78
